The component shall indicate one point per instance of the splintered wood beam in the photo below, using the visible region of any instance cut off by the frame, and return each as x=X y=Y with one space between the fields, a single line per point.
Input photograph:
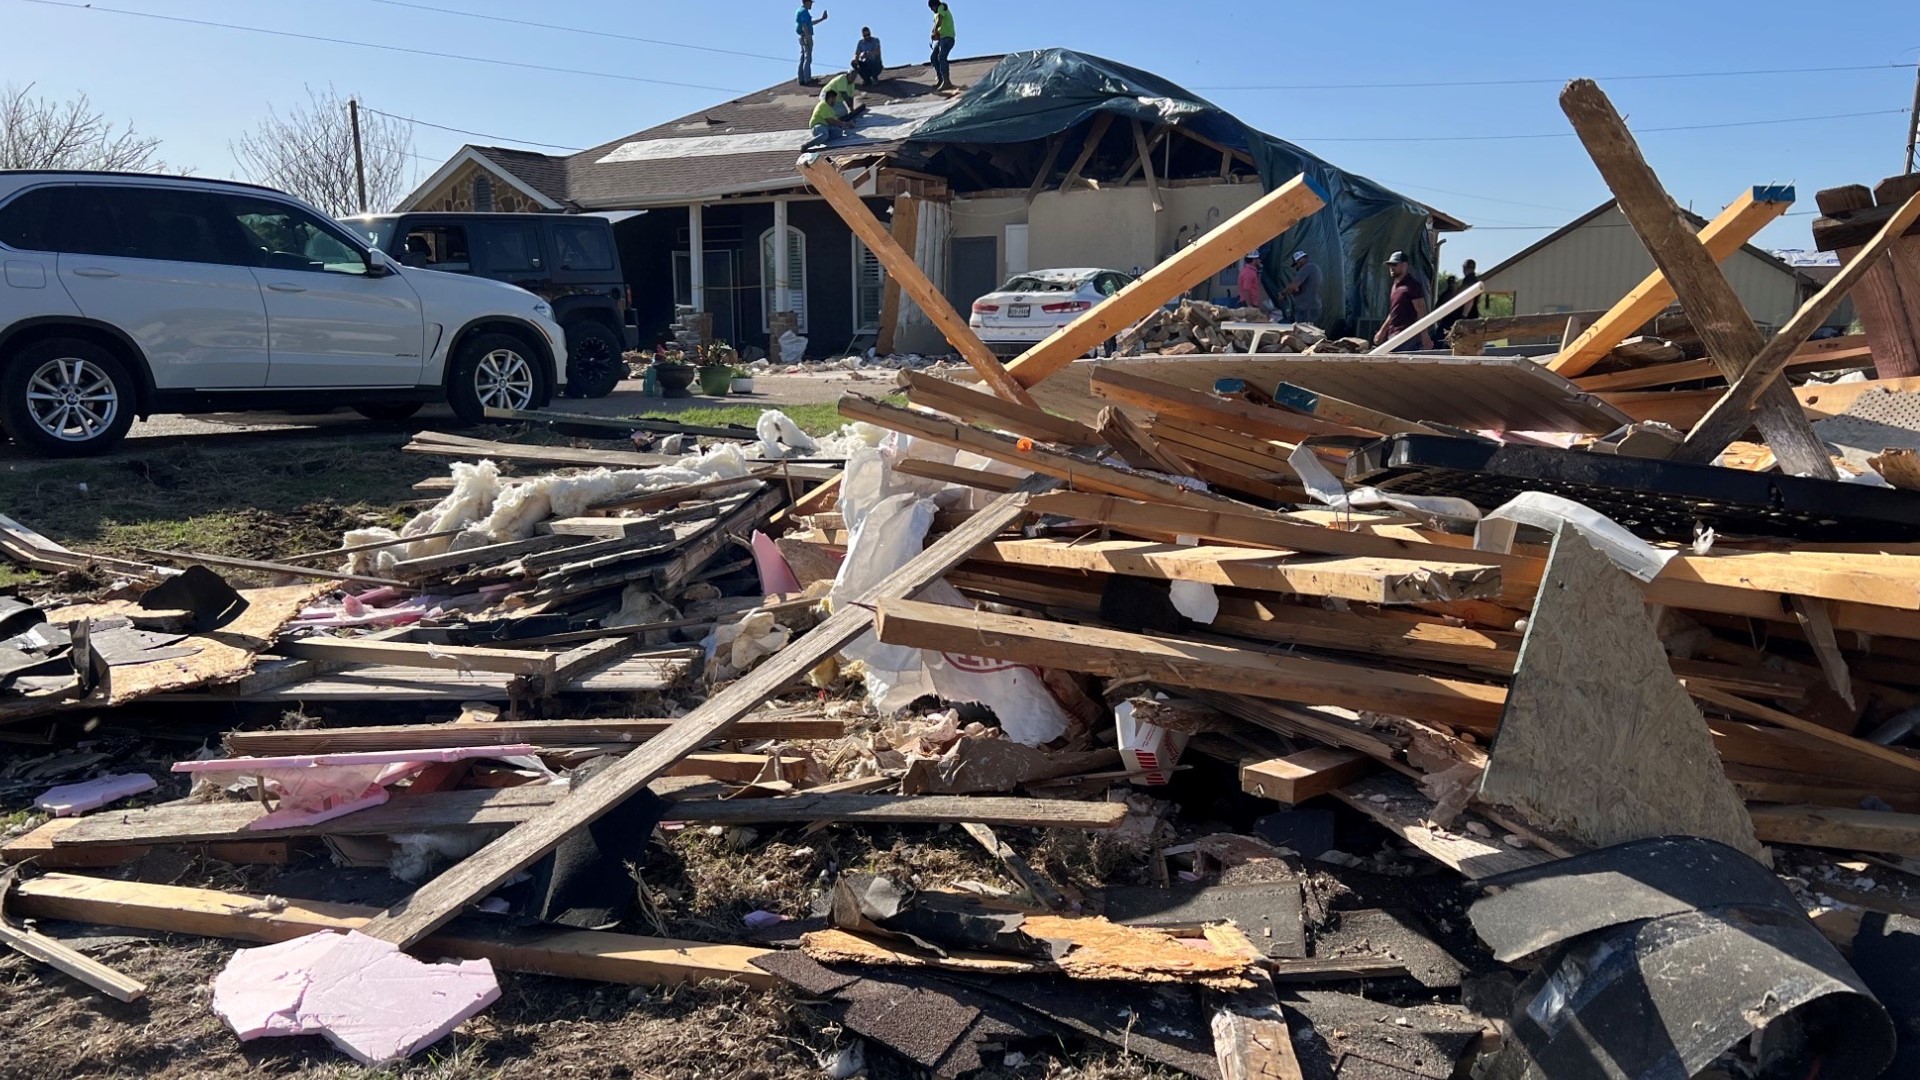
x=1046 y=167
x=1135 y=446
x=1740 y=222
x=444 y=897
x=966 y=403
x=900 y=267
x=1173 y=662
x=1145 y=153
x=1302 y=776
x=1732 y=414
x=1710 y=302
x=410 y=654
x=572 y=954
x=1275 y=213
x=1115 y=383
x=58 y=954
x=905 y=229
x=1098 y=131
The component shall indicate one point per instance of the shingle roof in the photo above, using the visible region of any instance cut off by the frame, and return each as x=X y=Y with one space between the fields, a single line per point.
x=545 y=173
x=716 y=153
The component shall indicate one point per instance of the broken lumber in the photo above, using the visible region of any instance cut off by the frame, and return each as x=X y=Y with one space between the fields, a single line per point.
x=966 y=403
x=1117 y=654
x=58 y=954
x=1275 y=213
x=267 y=567
x=546 y=733
x=1163 y=399
x=1304 y=775
x=412 y=654
x=1842 y=828
x=568 y=954
x=1135 y=447
x=443 y=898
x=1740 y=222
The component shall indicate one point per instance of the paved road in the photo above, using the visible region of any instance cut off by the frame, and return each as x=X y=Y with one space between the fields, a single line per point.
x=158 y=432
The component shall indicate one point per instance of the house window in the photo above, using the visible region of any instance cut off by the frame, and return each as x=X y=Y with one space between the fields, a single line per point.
x=869 y=286
x=796 y=278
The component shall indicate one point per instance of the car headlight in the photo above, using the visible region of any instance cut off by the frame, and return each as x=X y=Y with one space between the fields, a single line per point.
x=543 y=309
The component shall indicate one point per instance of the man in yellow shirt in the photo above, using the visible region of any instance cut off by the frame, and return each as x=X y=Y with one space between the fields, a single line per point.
x=942 y=42
x=827 y=119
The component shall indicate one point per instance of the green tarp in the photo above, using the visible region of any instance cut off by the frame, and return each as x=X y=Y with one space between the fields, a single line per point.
x=1031 y=96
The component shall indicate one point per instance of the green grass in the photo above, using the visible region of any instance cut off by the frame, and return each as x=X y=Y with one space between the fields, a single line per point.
x=821 y=419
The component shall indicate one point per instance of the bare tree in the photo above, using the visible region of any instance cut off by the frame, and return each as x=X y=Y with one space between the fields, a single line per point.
x=41 y=133
x=308 y=152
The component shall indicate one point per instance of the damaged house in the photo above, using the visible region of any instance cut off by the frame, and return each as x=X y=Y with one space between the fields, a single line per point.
x=1051 y=158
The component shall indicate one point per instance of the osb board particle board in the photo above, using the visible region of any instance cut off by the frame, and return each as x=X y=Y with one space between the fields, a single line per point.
x=221 y=655
x=1094 y=949
x=1598 y=740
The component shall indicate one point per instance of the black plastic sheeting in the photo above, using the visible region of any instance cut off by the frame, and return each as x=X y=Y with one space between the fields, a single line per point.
x=1034 y=95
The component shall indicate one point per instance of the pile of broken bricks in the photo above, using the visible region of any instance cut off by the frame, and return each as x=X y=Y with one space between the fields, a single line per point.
x=1530 y=739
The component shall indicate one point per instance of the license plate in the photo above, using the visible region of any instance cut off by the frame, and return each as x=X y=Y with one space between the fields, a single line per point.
x=1019 y=311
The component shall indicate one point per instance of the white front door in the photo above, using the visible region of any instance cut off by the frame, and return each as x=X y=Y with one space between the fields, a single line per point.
x=161 y=264
x=331 y=319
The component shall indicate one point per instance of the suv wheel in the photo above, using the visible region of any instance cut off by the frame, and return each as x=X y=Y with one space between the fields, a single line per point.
x=493 y=371
x=64 y=397
x=389 y=412
x=594 y=363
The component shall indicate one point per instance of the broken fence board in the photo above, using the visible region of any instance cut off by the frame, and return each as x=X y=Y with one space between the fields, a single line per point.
x=413 y=654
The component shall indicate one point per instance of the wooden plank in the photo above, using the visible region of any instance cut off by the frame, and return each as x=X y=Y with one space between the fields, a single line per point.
x=1083 y=474
x=904 y=227
x=1740 y=222
x=1267 y=218
x=1332 y=409
x=1598 y=741
x=1714 y=308
x=573 y=954
x=1174 y=662
x=1161 y=399
x=1144 y=160
x=343 y=740
x=955 y=474
x=1040 y=178
x=70 y=961
x=430 y=565
x=1392 y=802
x=265 y=567
x=1691 y=370
x=833 y=187
x=1469 y=336
x=1362 y=578
x=1095 y=132
x=1739 y=706
x=427 y=442
x=1135 y=446
x=1840 y=828
x=412 y=654
x=965 y=403
x=1302 y=776
x=442 y=899
x=624 y=425
x=1419 y=327
x=1731 y=415
x=1251 y=1041
x=191 y=823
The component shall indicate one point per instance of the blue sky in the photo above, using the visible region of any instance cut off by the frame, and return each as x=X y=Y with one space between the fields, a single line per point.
x=197 y=87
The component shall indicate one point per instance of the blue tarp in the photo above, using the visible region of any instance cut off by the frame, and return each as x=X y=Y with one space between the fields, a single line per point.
x=1030 y=96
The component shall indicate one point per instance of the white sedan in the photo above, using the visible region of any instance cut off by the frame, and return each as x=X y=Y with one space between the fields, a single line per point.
x=1032 y=305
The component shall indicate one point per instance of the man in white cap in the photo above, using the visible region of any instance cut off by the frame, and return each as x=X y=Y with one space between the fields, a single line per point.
x=1305 y=289
x=1252 y=293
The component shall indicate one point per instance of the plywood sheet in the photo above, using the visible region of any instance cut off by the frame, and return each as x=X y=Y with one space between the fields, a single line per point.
x=1598 y=739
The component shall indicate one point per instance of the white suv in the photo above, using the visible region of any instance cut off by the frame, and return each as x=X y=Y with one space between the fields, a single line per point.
x=125 y=295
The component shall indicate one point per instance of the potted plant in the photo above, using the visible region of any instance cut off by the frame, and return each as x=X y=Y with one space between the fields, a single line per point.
x=716 y=379
x=672 y=376
x=742 y=381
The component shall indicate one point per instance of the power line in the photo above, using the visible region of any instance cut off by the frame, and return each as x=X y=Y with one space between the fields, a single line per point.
x=1554 y=81
x=1599 y=225
x=1570 y=135
x=1471 y=195
x=384 y=48
x=464 y=131
x=579 y=30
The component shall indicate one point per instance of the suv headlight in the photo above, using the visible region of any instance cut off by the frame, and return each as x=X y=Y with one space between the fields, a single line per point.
x=543 y=309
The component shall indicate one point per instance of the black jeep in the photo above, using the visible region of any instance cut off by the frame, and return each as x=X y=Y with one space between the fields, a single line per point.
x=568 y=260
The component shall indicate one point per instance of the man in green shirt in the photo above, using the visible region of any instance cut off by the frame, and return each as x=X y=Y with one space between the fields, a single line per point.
x=841 y=84
x=942 y=42
x=827 y=119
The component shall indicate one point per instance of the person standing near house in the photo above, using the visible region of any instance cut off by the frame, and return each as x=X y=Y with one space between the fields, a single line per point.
x=866 y=58
x=1252 y=293
x=1305 y=289
x=803 y=24
x=1469 y=275
x=942 y=42
x=1406 y=305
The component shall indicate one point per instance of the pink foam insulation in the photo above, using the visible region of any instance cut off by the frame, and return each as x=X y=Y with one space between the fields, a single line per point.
x=69 y=799
x=367 y=997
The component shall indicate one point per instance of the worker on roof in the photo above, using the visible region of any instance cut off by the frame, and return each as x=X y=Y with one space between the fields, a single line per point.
x=942 y=42
x=866 y=58
x=803 y=24
x=841 y=83
x=1406 y=305
x=1304 y=289
x=1253 y=294
x=828 y=119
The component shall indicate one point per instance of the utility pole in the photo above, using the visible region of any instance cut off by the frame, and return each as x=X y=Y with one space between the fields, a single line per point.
x=359 y=161
x=1913 y=118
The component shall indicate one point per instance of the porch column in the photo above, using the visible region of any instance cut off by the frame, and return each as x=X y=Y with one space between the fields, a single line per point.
x=782 y=288
x=697 y=257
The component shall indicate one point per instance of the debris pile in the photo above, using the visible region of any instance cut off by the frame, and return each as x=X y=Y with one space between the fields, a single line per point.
x=1316 y=714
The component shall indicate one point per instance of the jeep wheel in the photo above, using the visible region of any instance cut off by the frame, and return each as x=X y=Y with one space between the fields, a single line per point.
x=66 y=398
x=493 y=371
x=594 y=363
x=389 y=412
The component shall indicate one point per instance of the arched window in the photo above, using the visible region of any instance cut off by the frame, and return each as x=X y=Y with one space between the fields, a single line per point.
x=796 y=277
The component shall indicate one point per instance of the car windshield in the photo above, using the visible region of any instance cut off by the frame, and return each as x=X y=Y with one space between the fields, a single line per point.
x=1031 y=283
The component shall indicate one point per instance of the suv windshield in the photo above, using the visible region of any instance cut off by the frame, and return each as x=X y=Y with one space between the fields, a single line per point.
x=1029 y=283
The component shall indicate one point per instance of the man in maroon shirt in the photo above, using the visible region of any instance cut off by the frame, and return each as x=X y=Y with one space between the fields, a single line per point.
x=1406 y=305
